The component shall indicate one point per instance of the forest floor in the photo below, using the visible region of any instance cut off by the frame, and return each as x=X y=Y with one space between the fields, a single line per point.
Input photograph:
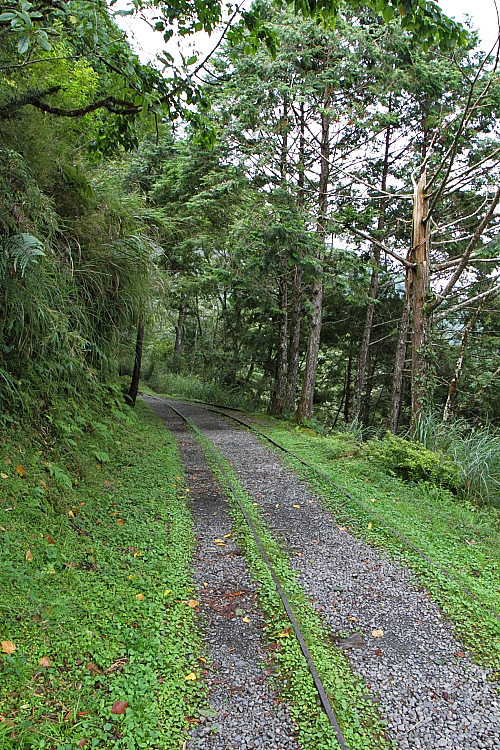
x=136 y=611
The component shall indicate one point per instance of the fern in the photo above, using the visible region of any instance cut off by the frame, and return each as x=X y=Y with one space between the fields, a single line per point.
x=22 y=250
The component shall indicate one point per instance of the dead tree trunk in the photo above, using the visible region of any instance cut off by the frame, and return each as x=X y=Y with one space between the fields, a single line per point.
x=420 y=342
x=400 y=359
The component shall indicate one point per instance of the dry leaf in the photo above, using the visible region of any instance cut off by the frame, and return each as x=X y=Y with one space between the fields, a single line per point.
x=68 y=715
x=373 y=500
x=82 y=743
x=378 y=633
x=219 y=540
x=44 y=662
x=8 y=647
x=191 y=676
x=71 y=514
x=286 y=632
x=4 y=476
x=370 y=525
x=93 y=669
x=226 y=536
x=119 y=521
x=245 y=619
x=20 y=471
x=193 y=603
x=139 y=597
x=167 y=592
x=29 y=555
x=296 y=506
x=119 y=707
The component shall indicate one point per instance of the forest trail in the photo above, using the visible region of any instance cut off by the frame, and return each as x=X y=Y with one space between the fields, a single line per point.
x=414 y=670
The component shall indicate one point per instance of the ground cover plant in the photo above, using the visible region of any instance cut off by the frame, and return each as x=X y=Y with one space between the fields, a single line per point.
x=460 y=537
x=359 y=720
x=98 y=643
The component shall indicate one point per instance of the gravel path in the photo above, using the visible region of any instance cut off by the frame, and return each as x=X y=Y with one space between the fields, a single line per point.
x=245 y=712
x=430 y=691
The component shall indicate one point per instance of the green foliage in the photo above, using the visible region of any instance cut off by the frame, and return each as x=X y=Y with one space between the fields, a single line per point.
x=94 y=578
x=413 y=462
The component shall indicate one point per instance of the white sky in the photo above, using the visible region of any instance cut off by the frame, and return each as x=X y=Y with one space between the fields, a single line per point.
x=148 y=43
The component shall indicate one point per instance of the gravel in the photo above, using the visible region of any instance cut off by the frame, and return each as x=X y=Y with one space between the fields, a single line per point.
x=244 y=710
x=431 y=693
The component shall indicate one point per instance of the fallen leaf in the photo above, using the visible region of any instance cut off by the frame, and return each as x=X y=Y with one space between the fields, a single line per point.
x=286 y=632
x=29 y=555
x=119 y=707
x=296 y=506
x=83 y=713
x=217 y=541
x=68 y=715
x=190 y=677
x=4 y=476
x=370 y=525
x=226 y=536
x=461 y=654
x=139 y=597
x=193 y=603
x=82 y=743
x=200 y=658
x=50 y=540
x=8 y=647
x=167 y=592
x=20 y=471
x=373 y=500
x=93 y=669
x=71 y=514
x=44 y=662
x=245 y=619
x=119 y=521
x=377 y=633
x=378 y=652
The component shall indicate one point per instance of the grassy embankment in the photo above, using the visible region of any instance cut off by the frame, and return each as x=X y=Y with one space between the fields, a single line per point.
x=96 y=542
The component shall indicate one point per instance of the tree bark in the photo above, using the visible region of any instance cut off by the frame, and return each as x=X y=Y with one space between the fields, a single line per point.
x=179 y=329
x=420 y=340
x=136 y=375
x=279 y=396
x=304 y=410
x=370 y=310
x=400 y=359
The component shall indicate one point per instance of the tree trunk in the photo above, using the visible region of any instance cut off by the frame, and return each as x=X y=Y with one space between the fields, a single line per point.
x=304 y=410
x=136 y=375
x=179 y=329
x=279 y=396
x=370 y=310
x=347 y=388
x=400 y=360
x=449 y=408
x=293 y=357
x=420 y=340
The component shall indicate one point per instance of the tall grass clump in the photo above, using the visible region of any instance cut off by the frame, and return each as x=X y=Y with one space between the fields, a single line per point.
x=475 y=451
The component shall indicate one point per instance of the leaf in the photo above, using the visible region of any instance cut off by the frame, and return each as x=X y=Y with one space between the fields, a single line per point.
x=226 y=536
x=139 y=597
x=191 y=60
x=119 y=521
x=285 y=632
x=190 y=677
x=20 y=471
x=370 y=525
x=44 y=662
x=4 y=476
x=245 y=619
x=193 y=603
x=208 y=712
x=167 y=592
x=119 y=707
x=71 y=514
x=296 y=506
x=8 y=647
x=23 y=44
x=29 y=555
x=377 y=633
x=82 y=743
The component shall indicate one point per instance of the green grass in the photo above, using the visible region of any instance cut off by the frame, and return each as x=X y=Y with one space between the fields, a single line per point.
x=94 y=580
x=192 y=388
x=459 y=536
x=359 y=720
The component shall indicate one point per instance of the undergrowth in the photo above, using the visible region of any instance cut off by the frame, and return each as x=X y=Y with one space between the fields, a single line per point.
x=361 y=725
x=460 y=537
x=194 y=389
x=94 y=581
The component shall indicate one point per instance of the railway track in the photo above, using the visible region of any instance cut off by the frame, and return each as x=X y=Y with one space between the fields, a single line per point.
x=400 y=634
x=322 y=694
